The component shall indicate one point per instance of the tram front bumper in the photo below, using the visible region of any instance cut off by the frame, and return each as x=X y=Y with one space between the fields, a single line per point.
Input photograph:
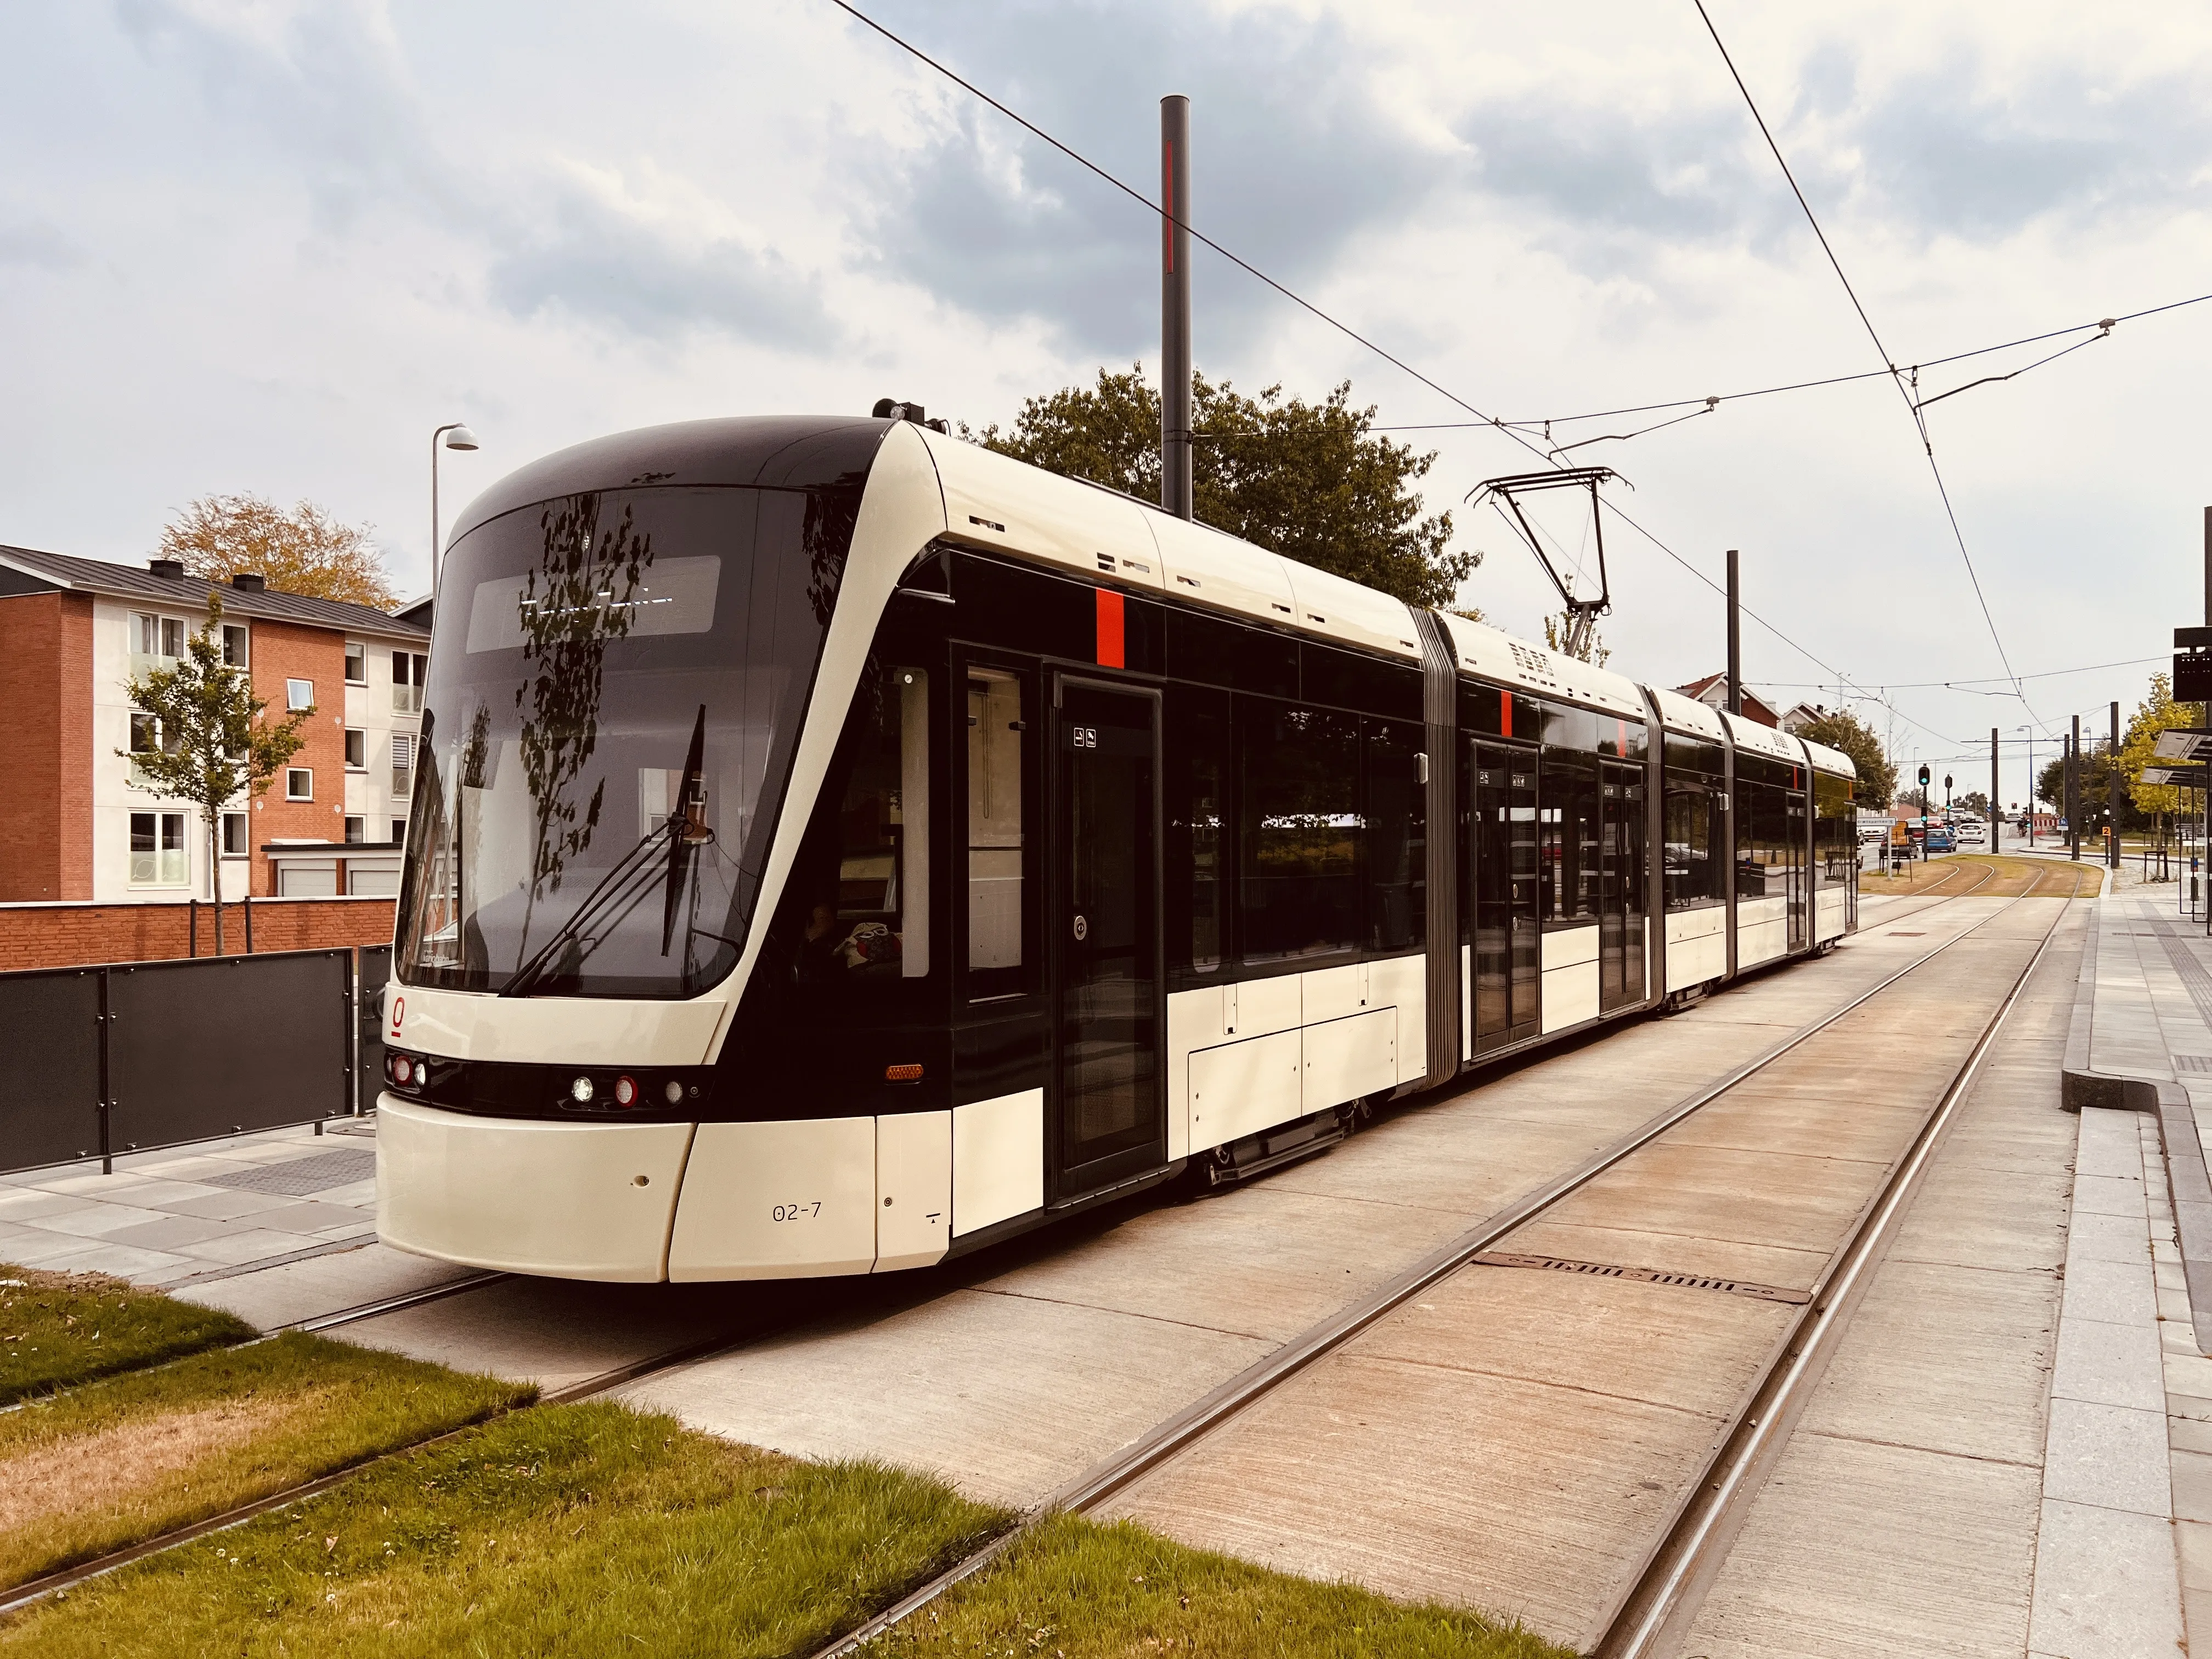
x=568 y=1201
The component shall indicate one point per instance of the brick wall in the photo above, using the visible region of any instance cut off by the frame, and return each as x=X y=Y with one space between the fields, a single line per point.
x=71 y=935
x=282 y=651
x=46 y=746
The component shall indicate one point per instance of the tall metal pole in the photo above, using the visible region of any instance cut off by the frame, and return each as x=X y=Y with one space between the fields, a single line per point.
x=450 y=426
x=1174 y=305
x=1734 y=638
x=2113 y=787
x=1996 y=830
x=2074 y=794
x=2207 y=566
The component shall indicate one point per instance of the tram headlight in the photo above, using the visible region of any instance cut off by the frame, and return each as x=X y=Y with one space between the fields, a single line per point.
x=673 y=1092
x=625 y=1091
x=581 y=1091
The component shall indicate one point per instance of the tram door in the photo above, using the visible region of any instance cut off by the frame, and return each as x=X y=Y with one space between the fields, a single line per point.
x=1620 y=931
x=1111 y=1121
x=1508 y=943
x=1800 y=869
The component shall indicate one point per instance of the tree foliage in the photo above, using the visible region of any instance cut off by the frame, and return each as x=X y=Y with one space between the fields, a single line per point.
x=1843 y=730
x=212 y=743
x=2156 y=713
x=304 y=551
x=1557 y=628
x=1308 y=481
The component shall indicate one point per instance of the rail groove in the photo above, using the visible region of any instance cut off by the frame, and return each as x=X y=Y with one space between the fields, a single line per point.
x=1179 y=1433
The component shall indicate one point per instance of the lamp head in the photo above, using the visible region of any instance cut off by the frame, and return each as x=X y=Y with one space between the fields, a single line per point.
x=460 y=438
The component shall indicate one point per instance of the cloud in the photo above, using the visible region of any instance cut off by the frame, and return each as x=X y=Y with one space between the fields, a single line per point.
x=34 y=244
x=1293 y=157
x=608 y=263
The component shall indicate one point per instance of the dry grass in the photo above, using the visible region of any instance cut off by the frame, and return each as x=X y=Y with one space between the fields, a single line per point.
x=108 y=1464
x=1081 y=1590
x=1946 y=877
x=568 y=1530
x=59 y=1329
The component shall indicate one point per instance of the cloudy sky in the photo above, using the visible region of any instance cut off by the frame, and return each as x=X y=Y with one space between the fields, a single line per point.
x=268 y=246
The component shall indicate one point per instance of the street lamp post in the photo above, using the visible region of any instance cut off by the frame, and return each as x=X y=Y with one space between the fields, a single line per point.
x=457 y=436
x=2030 y=782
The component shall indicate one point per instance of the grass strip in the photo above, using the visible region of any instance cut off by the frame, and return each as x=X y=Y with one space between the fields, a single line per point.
x=127 y=1458
x=570 y=1529
x=60 y=1329
x=1076 y=1588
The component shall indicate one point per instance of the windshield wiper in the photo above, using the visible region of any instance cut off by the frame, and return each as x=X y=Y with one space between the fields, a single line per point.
x=620 y=886
x=688 y=822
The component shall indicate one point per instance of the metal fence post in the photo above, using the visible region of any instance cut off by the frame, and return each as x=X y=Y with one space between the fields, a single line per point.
x=107 y=1152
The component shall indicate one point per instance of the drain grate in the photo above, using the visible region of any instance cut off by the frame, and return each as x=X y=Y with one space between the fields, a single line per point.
x=1645 y=1276
x=302 y=1176
x=2202 y=1063
x=1893 y=934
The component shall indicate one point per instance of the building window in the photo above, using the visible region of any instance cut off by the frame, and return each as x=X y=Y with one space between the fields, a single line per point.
x=398 y=830
x=299 y=783
x=353 y=830
x=403 y=765
x=357 y=660
x=234 y=644
x=157 y=850
x=145 y=734
x=235 y=844
x=299 y=694
x=409 y=669
x=156 y=636
x=357 y=750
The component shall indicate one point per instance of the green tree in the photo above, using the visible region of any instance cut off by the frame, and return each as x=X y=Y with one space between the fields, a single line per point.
x=197 y=735
x=304 y=551
x=2156 y=713
x=1556 y=630
x=2092 y=783
x=1843 y=730
x=1311 y=482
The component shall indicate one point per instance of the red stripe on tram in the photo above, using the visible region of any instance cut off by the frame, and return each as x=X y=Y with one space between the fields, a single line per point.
x=1504 y=714
x=1109 y=630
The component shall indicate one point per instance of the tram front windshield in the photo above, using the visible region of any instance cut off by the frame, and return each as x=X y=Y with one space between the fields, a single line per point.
x=615 y=689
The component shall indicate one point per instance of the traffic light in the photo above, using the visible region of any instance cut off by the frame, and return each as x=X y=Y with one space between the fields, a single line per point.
x=1923 y=777
x=1946 y=783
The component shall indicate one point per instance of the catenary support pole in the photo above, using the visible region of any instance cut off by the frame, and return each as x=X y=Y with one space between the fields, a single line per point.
x=1174 y=305
x=2112 y=786
x=1735 y=637
x=1996 y=834
x=2073 y=793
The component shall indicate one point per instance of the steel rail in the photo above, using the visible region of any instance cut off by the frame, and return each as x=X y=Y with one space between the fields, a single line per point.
x=1694 y=1541
x=1179 y=1433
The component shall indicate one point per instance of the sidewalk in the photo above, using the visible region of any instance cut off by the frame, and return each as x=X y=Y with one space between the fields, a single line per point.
x=186 y=1214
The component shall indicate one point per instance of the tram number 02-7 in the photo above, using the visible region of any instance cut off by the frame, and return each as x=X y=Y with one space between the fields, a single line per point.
x=1083 y=736
x=797 y=1212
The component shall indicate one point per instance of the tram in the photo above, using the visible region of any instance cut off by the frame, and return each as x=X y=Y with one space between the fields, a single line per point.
x=838 y=848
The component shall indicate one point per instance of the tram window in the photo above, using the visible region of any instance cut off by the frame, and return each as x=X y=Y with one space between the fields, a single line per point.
x=1397 y=811
x=1835 y=830
x=870 y=921
x=1300 y=829
x=1764 y=844
x=1692 y=873
x=998 y=723
x=1197 y=730
x=1568 y=821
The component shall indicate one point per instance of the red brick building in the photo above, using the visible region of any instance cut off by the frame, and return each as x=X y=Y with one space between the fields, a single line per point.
x=74 y=825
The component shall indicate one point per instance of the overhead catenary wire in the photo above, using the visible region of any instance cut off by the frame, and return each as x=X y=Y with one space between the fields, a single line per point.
x=1919 y=425
x=1349 y=333
x=1534 y=423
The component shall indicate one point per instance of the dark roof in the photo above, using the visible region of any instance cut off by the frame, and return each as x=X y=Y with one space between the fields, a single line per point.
x=1756 y=708
x=191 y=592
x=787 y=451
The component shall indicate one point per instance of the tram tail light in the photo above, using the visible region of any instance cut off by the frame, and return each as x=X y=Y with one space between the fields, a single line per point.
x=625 y=1090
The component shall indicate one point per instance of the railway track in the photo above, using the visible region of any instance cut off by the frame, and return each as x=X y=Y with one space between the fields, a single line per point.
x=1676 y=1560
x=1684 y=1551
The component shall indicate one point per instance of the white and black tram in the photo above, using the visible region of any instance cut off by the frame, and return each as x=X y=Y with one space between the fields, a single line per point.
x=838 y=848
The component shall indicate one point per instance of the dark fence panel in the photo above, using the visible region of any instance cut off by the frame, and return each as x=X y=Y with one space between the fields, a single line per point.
x=368 y=1008
x=50 y=1097
x=213 y=1047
